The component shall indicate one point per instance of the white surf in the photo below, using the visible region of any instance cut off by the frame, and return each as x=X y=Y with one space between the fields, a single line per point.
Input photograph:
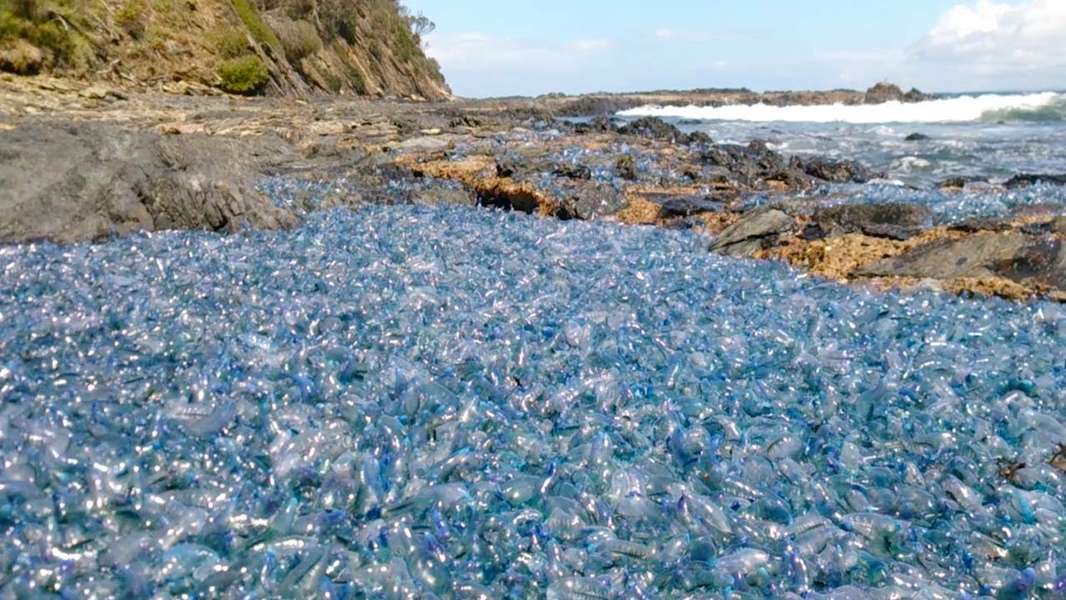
x=946 y=110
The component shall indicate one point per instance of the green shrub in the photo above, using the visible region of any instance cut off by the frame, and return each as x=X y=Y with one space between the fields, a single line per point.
x=333 y=83
x=299 y=9
x=299 y=39
x=26 y=9
x=358 y=83
x=255 y=24
x=339 y=18
x=56 y=44
x=10 y=26
x=245 y=75
x=231 y=43
x=133 y=18
x=20 y=57
x=55 y=38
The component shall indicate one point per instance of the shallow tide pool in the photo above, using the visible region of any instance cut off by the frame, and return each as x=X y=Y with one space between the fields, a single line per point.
x=408 y=402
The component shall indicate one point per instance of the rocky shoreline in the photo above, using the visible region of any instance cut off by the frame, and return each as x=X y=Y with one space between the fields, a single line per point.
x=82 y=162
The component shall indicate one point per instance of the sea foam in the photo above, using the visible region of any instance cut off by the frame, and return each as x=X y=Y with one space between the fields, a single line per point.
x=1042 y=106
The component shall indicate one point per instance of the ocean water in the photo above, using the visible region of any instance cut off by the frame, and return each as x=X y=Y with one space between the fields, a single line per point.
x=989 y=136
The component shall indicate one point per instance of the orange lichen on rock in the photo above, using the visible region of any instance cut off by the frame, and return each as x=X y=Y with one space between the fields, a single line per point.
x=979 y=286
x=505 y=192
x=715 y=222
x=640 y=211
x=467 y=170
x=834 y=258
x=989 y=286
x=479 y=174
x=643 y=210
x=840 y=256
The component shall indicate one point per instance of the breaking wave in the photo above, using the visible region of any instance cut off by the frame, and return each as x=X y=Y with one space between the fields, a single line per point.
x=1047 y=106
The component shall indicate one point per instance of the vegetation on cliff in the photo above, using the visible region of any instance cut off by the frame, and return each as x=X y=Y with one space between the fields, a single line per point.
x=294 y=47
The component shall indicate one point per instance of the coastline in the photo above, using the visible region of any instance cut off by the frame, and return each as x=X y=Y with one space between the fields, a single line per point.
x=201 y=160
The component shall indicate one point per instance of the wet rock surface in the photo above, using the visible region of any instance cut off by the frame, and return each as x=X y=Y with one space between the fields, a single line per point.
x=1030 y=261
x=891 y=220
x=979 y=255
x=1029 y=179
x=840 y=171
x=753 y=233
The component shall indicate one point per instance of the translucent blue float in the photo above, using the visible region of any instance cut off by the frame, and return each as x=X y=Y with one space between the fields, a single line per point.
x=407 y=402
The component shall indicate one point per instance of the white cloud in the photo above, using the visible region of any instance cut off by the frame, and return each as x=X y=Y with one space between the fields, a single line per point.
x=975 y=45
x=990 y=38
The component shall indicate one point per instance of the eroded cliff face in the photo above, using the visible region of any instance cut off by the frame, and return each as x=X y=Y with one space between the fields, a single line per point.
x=273 y=47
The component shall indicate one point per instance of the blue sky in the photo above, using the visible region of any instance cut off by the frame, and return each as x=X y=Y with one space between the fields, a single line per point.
x=503 y=47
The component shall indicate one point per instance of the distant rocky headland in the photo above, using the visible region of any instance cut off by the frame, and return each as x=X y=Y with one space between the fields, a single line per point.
x=602 y=104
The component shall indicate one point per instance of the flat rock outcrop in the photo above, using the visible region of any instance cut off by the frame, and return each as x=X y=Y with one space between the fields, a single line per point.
x=896 y=220
x=82 y=182
x=753 y=233
x=1025 y=259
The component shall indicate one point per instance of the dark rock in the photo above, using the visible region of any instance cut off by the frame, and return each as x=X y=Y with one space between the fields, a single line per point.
x=844 y=171
x=752 y=233
x=1041 y=261
x=974 y=256
x=898 y=221
x=687 y=207
x=506 y=166
x=1055 y=226
x=443 y=196
x=958 y=183
x=626 y=167
x=591 y=106
x=700 y=138
x=573 y=171
x=916 y=95
x=1027 y=179
x=917 y=137
x=653 y=128
x=590 y=200
x=465 y=121
x=684 y=206
x=88 y=181
x=981 y=224
x=753 y=163
x=887 y=92
x=596 y=125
